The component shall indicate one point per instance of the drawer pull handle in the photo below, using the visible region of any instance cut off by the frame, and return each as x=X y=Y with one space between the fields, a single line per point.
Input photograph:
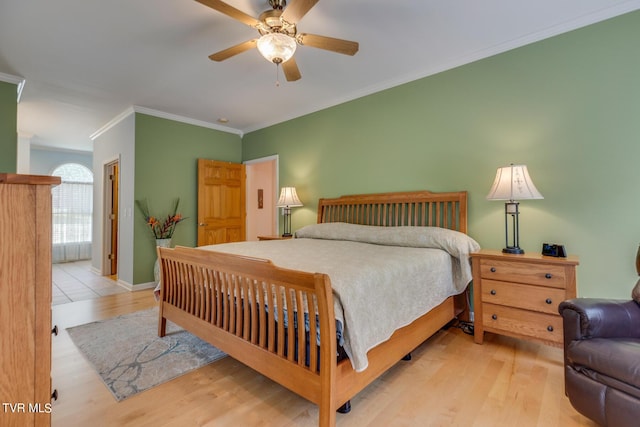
x=550 y=328
x=494 y=316
x=548 y=301
x=54 y=331
x=493 y=269
x=548 y=276
x=493 y=292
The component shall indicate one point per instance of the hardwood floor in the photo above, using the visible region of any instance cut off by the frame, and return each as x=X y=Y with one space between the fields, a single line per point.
x=450 y=381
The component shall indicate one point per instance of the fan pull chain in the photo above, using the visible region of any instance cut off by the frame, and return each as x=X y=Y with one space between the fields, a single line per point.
x=277 y=79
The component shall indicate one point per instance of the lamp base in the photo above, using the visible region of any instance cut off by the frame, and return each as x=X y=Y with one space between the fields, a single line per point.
x=512 y=250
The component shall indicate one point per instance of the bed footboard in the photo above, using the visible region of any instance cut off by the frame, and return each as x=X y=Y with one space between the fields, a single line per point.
x=253 y=310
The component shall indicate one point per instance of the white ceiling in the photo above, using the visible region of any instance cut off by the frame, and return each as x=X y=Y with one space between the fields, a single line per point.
x=87 y=61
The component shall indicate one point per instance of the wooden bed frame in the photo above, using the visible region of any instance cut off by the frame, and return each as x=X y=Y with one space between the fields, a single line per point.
x=212 y=295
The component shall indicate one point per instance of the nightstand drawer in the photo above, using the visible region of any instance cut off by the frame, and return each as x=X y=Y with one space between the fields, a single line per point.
x=513 y=271
x=537 y=298
x=522 y=323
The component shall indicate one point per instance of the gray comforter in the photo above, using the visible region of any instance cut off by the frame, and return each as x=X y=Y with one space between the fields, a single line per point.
x=383 y=278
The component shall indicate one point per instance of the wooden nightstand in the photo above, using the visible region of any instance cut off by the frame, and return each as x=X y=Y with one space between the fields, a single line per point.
x=518 y=295
x=274 y=237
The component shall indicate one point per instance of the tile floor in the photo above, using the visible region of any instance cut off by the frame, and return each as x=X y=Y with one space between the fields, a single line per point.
x=75 y=281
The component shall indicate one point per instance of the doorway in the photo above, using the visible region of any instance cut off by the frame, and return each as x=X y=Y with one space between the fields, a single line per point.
x=261 y=190
x=111 y=191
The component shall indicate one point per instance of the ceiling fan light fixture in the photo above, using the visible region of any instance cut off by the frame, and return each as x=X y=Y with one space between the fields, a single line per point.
x=276 y=47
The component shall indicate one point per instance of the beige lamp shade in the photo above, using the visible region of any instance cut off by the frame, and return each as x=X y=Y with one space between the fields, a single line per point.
x=513 y=183
x=288 y=198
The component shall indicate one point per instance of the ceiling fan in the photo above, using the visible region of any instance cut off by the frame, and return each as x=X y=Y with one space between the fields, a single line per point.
x=279 y=35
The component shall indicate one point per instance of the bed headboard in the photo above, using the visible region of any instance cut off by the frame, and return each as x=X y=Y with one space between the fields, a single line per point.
x=416 y=208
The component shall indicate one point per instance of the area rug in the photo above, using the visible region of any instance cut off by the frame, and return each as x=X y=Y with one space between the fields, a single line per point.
x=130 y=357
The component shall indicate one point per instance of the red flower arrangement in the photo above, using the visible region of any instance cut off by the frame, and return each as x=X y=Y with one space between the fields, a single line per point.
x=161 y=229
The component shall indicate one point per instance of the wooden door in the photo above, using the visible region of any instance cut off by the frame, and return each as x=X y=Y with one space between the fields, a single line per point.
x=221 y=202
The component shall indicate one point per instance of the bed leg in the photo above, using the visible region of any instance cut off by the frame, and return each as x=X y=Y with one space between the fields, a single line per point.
x=327 y=416
x=346 y=408
x=162 y=327
x=407 y=357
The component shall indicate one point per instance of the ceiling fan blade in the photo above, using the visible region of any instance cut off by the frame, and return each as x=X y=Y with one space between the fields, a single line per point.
x=231 y=12
x=291 y=71
x=345 y=47
x=297 y=9
x=233 y=50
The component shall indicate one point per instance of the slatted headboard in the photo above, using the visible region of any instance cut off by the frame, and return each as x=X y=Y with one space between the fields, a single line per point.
x=416 y=208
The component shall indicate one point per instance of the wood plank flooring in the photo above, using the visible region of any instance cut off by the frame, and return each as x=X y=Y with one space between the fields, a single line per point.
x=450 y=381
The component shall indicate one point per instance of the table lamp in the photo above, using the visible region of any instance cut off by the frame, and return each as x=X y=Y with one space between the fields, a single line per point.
x=288 y=199
x=513 y=183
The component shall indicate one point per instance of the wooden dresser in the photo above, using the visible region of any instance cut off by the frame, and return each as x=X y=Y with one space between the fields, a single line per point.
x=518 y=295
x=25 y=299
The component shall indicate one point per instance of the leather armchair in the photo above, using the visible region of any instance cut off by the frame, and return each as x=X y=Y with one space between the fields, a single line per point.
x=602 y=359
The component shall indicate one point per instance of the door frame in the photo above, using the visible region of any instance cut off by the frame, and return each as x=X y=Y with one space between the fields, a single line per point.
x=253 y=162
x=107 y=230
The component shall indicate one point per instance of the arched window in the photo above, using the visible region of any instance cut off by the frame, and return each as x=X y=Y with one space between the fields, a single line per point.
x=72 y=205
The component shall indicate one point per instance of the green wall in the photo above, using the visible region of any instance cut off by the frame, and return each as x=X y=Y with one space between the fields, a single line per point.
x=166 y=154
x=8 y=127
x=567 y=107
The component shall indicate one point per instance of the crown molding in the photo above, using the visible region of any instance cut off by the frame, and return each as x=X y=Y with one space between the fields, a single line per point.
x=8 y=78
x=111 y=123
x=183 y=119
x=163 y=115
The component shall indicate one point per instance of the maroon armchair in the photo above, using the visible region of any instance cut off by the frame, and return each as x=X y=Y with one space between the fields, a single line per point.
x=602 y=359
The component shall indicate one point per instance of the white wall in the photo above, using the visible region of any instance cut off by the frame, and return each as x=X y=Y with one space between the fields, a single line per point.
x=42 y=161
x=24 y=155
x=118 y=142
